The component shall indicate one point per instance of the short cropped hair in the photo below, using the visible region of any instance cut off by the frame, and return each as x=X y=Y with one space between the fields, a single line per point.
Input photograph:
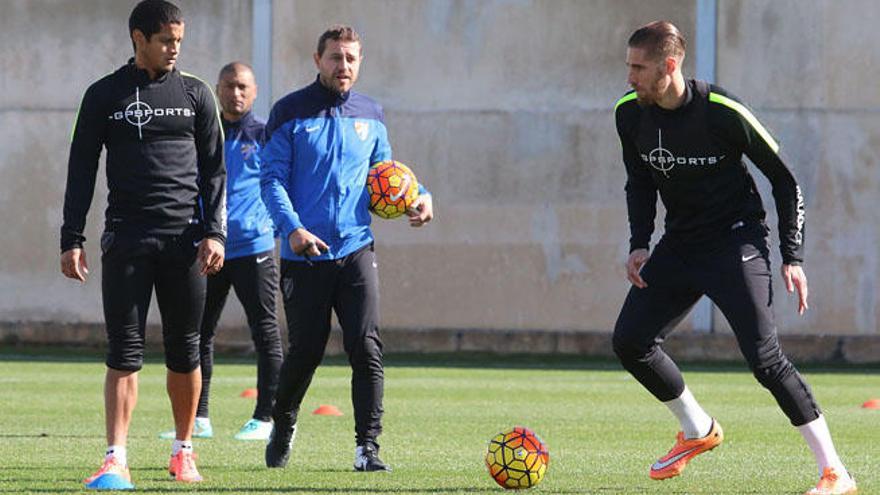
x=233 y=67
x=150 y=15
x=661 y=39
x=337 y=32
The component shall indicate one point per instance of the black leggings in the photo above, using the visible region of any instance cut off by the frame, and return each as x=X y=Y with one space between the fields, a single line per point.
x=132 y=266
x=255 y=280
x=350 y=287
x=736 y=276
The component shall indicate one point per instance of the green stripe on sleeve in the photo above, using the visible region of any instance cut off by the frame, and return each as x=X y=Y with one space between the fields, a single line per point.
x=216 y=102
x=627 y=97
x=746 y=114
x=76 y=117
x=79 y=109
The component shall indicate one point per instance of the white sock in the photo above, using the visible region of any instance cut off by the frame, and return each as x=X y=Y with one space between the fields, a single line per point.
x=179 y=445
x=695 y=423
x=818 y=437
x=118 y=452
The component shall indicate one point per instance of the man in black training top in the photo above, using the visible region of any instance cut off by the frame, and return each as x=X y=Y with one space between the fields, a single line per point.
x=685 y=139
x=165 y=224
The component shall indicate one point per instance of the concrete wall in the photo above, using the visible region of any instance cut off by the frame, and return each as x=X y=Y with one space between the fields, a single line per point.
x=809 y=68
x=503 y=109
x=51 y=52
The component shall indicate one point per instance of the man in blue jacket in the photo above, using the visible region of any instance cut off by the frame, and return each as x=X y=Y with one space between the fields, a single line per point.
x=250 y=262
x=321 y=141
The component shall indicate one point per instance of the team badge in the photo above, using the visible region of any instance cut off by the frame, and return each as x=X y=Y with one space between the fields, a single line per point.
x=361 y=128
x=247 y=150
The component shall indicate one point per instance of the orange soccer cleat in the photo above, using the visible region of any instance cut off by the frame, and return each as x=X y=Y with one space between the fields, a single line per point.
x=111 y=476
x=674 y=462
x=832 y=483
x=183 y=467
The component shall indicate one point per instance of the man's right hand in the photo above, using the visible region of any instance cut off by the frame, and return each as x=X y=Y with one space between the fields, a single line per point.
x=74 y=264
x=304 y=243
x=634 y=264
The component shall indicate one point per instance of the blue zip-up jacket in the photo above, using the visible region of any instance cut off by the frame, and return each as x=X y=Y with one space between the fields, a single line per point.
x=250 y=229
x=320 y=145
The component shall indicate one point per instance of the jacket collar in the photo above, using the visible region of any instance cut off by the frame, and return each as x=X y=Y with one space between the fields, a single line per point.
x=244 y=121
x=685 y=105
x=143 y=77
x=327 y=95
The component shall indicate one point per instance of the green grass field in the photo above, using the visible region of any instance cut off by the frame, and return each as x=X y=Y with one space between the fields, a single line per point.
x=603 y=430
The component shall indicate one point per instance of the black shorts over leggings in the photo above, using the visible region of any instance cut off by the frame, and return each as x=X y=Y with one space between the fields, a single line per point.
x=132 y=266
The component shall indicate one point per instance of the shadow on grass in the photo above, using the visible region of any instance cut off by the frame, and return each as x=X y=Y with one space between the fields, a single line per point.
x=480 y=360
x=194 y=489
x=148 y=485
x=468 y=489
x=47 y=435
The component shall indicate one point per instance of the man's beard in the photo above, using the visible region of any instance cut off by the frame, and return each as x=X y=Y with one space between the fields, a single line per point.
x=652 y=97
x=654 y=93
x=645 y=101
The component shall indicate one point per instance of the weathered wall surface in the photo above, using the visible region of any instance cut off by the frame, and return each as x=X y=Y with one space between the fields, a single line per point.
x=809 y=69
x=503 y=108
x=52 y=51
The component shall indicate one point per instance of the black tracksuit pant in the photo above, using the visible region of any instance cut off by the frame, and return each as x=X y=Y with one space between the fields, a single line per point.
x=734 y=272
x=350 y=287
x=255 y=280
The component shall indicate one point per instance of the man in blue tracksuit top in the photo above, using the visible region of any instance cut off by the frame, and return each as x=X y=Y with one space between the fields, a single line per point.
x=321 y=141
x=250 y=263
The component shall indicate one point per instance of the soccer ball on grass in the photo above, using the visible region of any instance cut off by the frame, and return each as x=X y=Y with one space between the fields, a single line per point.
x=517 y=458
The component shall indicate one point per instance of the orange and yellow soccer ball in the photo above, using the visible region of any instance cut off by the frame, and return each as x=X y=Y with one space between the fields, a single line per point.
x=517 y=458
x=392 y=187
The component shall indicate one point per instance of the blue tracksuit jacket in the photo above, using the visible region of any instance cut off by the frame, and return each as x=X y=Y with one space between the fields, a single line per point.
x=250 y=229
x=319 y=148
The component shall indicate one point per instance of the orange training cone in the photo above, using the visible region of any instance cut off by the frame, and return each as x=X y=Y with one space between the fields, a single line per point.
x=249 y=393
x=872 y=404
x=327 y=410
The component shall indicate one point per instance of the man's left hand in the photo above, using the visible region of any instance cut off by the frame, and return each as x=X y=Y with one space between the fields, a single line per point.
x=421 y=211
x=795 y=278
x=210 y=256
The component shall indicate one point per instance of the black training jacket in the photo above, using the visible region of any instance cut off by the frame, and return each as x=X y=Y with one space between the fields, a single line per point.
x=693 y=156
x=165 y=166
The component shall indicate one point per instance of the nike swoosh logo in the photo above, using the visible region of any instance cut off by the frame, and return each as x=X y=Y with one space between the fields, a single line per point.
x=747 y=258
x=196 y=243
x=313 y=128
x=401 y=191
x=262 y=259
x=672 y=460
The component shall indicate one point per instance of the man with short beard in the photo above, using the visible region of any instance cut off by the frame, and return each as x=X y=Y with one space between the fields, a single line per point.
x=321 y=141
x=685 y=139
